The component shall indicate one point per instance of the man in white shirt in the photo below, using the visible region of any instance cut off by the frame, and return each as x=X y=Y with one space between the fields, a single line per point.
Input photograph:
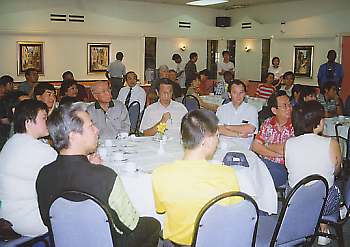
x=180 y=70
x=225 y=65
x=21 y=159
x=132 y=92
x=164 y=111
x=238 y=120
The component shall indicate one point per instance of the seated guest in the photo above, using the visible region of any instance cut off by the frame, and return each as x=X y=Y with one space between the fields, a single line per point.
x=21 y=159
x=287 y=82
x=132 y=91
x=273 y=134
x=31 y=81
x=330 y=100
x=301 y=160
x=265 y=90
x=238 y=119
x=68 y=92
x=194 y=90
x=46 y=93
x=172 y=75
x=295 y=99
x=183 y=187
x=164 y=111
x=75 y=137
x=163 y=72
x=82 y=93
x=177 y=91
x=307 y=93
x=109 y=116
x=220 y=88
x=206 y=86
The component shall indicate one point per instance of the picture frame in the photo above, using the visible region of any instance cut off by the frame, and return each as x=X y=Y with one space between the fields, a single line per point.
x=30 y=54
x=98 y=57
x=303 y=61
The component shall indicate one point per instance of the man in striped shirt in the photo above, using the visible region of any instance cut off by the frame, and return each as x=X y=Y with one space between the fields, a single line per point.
x=265 y=90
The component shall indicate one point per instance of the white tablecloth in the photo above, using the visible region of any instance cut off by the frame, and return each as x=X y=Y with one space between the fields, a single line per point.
x=143 y=154
x=329 y=127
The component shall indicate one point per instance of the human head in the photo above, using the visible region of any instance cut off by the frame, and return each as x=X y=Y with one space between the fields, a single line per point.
x=165 y=91
x=172 y=75
x=296 y=91
x=276 y=61
x=307 y=118
x=2 y=88
x=46 y=93
x=204 y=75
x=177 y=58
x=8 y=82
x=269 y=78
x=194 y=57
x=199 y=129
x=280 y=105
x=31 y=75
x=163 y=71
x=71 y=127
x=119 y=56
x=226 y=55
x=307 y=93
x=228 y=76
x=330 y=90
x=68 y=75
x=196 y=82
x=237 y=91
x=289 y=78
x=30 y=117
x=331 y=55
x=131 y=78
x=69 y=88
x=102 y=92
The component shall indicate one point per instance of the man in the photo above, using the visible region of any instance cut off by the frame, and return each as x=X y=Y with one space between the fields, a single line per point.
x=206 y=86
x=238 y=120
x=180 y=70
x=164 y=111
x=221 y=86
x=46 y=93
x=115 y=74
x=183 y=187
x=109 y=116
x=274 y=132
x=287 y=83
x=132 y=92
x=177 y=91
x=75 y=137
x=32 y=78
x=330 y=71
x=163 y=73
x=191 y=69
x=21 y=159
x=225 y=65
x=172 y=76
x=82 y=93
x=330 y=100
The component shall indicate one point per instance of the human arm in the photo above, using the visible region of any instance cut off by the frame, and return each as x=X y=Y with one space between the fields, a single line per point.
x=241 y=130
x=125 y=121
x=335 y=155
x=265 y=150
x=153 y=130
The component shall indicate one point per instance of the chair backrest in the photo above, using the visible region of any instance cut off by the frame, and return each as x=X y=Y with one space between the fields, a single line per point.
x=347 y=194
x=300 y=215
x=134 y=115
x=85 y=222
x=190 y=102
x=227 y=225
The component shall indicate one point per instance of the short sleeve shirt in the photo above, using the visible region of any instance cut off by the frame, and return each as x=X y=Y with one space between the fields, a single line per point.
x=328 y=105
x=117 y=69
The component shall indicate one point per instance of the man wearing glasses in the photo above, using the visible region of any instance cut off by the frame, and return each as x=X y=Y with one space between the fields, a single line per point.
x=109 y=116
x=269 y=143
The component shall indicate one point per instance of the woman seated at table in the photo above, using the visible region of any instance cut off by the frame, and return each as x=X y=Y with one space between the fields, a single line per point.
x=301 y=159
x=194 y=91
x=68 y=92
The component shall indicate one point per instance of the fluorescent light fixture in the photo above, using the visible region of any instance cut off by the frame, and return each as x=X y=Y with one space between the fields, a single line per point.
x=206 y=2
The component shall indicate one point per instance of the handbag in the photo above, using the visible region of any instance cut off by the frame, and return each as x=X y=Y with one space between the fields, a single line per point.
x=235 y=159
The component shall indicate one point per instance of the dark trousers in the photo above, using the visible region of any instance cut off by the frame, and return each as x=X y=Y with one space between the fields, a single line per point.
x=117 y=84
x=278 y=172
x=146 y=234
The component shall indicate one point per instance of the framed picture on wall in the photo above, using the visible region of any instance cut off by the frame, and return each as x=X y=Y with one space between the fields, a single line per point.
x=303 y=60
x=30 y=55
x=98 y=57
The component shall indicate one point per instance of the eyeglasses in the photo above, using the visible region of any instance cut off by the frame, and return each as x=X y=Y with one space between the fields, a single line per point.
x=285 y=106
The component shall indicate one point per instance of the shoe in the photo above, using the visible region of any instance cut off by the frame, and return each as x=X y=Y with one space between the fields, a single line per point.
x=323 y=240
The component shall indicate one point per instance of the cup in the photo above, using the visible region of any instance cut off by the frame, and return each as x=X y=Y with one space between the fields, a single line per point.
x=108 y=142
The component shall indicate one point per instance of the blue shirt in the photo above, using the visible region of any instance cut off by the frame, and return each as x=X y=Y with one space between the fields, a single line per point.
x=329 y=73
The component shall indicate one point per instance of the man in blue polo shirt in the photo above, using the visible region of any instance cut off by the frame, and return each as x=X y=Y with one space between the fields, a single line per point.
x=330 y=71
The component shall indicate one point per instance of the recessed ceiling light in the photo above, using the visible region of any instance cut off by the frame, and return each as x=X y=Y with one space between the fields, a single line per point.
x=206 y=2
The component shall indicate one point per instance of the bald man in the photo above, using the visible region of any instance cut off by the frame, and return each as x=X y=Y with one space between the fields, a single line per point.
x=109 y=116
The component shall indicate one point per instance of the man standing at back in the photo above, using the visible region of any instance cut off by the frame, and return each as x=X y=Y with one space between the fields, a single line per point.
x=225 y=65
x=115 y=74
x=75 y=137
x=330 y=71
x=191 y=69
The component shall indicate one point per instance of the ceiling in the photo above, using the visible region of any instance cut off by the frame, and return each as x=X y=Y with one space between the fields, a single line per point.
x=231 y=4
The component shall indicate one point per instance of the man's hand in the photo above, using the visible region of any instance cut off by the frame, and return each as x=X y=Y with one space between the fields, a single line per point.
x=95 y=159
x=166 y=116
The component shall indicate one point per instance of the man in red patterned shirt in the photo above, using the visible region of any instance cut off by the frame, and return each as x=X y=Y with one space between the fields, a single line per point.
x=270 y=141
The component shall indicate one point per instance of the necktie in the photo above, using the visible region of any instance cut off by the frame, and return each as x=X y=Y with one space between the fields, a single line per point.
x=127 y=100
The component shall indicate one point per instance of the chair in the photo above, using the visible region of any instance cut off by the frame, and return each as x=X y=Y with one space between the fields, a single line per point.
x=40 y=241
x=79 y=219
x=227 y=225
x=226 y=100
x=191 y=103
x=134 y=115
x=336 y=221
x=300 y=216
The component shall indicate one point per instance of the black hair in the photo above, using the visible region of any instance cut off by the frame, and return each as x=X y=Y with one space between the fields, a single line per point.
x=238 y=83
x=175 y=57
x=224 y=52
x=288 y=73
x=29 y=71
x=306 y=91
x=65 y=85
x=267 y=75
x=193 y=55
x=204 y=72
x=6 y=79
x=68 y=72
x=119 y=56
x=275 y=58
x=130 y=72
x=196 y=125
x=328 y=85
x=171 y=70
x=41 y=88
x=272 y=101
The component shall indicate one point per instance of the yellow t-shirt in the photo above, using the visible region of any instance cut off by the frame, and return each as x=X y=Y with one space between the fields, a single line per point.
x=182 y=188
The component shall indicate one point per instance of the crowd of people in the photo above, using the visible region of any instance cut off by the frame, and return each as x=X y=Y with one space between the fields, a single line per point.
x=50 y=141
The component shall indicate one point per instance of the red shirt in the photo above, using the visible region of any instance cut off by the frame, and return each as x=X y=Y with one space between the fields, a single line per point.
x=264 y=91
x=206 y=87
x=271 y=133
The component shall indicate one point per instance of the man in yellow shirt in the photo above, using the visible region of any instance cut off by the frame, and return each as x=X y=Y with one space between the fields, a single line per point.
x=182 y=188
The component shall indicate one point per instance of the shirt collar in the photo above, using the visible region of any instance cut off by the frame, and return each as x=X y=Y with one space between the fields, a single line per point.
x=274 y=121
x=98 y=106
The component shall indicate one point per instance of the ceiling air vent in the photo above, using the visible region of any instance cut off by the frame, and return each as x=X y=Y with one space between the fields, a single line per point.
x=184 y=24
x=58 y=18
x=246 y=25
x=76 y=18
